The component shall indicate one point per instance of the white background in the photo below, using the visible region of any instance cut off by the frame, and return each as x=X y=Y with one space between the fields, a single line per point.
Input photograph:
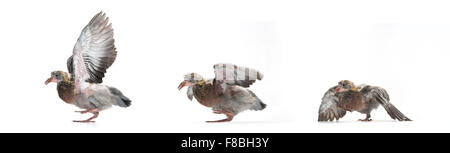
x=303 y=48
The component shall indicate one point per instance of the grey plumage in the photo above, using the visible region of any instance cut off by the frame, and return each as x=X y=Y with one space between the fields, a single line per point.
x=103 y=97
x=238 y=99
x=259 y=105
x=233 y=80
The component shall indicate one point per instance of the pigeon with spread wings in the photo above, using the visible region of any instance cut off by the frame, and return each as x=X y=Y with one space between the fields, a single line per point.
x=227 y=93
x=93 y=53
x=348 y=97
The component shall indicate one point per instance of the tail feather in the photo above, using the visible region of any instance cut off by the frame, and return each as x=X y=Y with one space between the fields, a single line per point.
x=395 y=113
x=263 y=106
x=259 y=105
x=383 y=98
x=125 y=100
x=122 y=100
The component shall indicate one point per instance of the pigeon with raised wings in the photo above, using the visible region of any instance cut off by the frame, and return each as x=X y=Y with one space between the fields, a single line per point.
x=93 y=53
x=348 y=97
x=227 y=93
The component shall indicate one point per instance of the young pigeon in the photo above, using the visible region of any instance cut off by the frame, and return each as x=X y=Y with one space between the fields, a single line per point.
x=226 y=93
x=348 y=97
x=93 y=53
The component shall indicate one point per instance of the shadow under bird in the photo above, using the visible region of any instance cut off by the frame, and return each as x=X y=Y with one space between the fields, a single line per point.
x=93 y=53
x=348 y=97
x=227 y=93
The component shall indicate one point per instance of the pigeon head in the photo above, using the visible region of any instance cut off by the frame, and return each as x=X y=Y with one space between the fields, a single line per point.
x=58 y=76
x=345 y=85
x=191 y=79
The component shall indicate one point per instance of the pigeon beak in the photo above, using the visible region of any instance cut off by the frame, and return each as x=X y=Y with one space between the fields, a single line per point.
x=183 y=84
x=51 y=79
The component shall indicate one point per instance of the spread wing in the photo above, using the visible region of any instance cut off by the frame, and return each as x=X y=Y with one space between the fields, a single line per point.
x=94 y=51
x=230 y=74
x=329 y=110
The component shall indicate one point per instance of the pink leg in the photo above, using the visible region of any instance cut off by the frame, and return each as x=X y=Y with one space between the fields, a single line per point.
x=218 y=112
x=367 y=119
x=83 y=112
x=89 y=111
x=89 y=120
x=228 y=114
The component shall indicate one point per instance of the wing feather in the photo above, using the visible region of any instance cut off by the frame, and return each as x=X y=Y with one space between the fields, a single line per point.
x=230 y=74
x=94 y=51
x=328 y=110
